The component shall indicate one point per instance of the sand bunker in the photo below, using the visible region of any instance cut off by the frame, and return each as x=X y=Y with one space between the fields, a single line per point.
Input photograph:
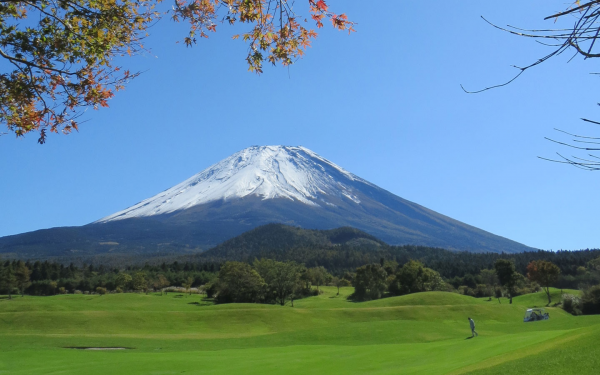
x=98 y=348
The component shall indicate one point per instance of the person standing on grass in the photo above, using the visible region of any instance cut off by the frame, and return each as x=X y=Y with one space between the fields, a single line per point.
x=473 y=332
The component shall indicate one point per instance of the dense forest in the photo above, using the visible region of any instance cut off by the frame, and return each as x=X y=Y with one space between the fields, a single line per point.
x=345 y=249
x=48 y=278
x=344 y=255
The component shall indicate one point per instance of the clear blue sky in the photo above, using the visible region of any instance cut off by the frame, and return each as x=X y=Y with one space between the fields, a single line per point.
x=384 y=103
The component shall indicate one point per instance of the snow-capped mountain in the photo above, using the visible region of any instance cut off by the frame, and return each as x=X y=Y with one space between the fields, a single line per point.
x=253 y=187
x=268 y=172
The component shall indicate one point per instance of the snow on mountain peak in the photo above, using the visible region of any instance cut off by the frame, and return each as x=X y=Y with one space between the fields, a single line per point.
x=295 y=173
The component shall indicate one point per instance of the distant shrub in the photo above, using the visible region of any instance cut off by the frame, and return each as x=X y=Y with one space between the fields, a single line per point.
x=100 y=290
x=370 y=282
x=467 y=291
x=119 y=290
x=522 y=291
x=483 y=290
x=42 y=288
x=62 y=290
x=86 y=292
x=178 y=289
x=77 y=291
x=590 y=300
x=448 y=288
x=211 y=290
x=571 y=304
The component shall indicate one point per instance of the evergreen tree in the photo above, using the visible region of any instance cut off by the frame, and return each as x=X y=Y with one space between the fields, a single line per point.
x=22 y=274
x=7 y=280
x=508 y=277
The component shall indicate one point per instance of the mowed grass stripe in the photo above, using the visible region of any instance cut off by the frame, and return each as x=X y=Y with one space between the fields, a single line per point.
x=432 y=358
x=574 y=354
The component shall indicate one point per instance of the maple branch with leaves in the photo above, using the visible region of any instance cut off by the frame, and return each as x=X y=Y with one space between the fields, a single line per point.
x=63 y=65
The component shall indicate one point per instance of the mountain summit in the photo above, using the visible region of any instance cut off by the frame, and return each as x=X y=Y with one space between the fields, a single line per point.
x=253 y=187
x=268 y=172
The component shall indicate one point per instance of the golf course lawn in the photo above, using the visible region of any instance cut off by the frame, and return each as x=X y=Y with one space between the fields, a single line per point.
x=173 y=334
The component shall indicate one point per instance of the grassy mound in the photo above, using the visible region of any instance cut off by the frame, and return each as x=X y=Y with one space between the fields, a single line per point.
x=540 y=299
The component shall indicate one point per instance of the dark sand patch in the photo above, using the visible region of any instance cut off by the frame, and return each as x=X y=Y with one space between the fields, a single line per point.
x=98 y=348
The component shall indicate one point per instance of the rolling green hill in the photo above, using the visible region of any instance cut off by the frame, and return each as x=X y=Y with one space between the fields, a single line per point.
x=421 y=333
x=279 y=239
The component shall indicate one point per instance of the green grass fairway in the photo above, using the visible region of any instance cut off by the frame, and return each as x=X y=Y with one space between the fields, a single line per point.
x=421 y=333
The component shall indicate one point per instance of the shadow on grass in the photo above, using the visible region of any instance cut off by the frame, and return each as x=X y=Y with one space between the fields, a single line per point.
x=355 y=299
x=203 y=302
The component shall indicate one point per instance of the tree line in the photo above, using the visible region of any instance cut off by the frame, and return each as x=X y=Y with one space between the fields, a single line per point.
x=268 y=281
x=463 y=266
x=273 y=281
x=49 y=278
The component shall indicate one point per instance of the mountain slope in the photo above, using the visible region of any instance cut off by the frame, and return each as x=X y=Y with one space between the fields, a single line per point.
x=254 y=187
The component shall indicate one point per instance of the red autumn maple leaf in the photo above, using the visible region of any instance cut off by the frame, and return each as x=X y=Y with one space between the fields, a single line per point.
x=322 y=6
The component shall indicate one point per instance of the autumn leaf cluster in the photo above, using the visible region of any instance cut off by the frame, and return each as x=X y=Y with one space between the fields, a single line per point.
x=278 y=34
x=62 y=60
x=59 y=54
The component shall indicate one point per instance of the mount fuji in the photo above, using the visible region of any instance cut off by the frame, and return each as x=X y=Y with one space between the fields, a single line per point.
x=257 y=186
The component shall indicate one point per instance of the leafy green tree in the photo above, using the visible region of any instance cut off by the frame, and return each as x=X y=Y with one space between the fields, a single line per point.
x=594 y=264
x=123 y=280
x=282 y=278
x=318 y=276
x=339 y=283
x=305 y=279
x=508 y=277
x=161 y=282
x=432 y=280
x=7 y=280
x=187 y=284
x=590 y=300
x=22 y=274
x=498 y=294
x=239 y=282
x=139 y=282
x=53 y=285
x=298 y=290
x=544 y=273
x=370 y=282
x=390 y=266
x=59 y=55
x=413 y=277
x=489 y=277
x=408 y=278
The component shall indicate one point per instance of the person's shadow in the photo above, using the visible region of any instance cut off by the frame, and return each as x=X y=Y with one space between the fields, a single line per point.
x=469 y=338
